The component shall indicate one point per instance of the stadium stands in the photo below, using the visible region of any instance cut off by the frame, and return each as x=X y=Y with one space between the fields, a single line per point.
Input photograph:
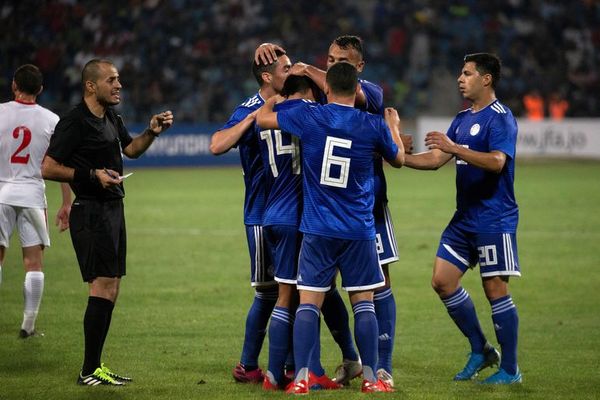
x=193 y=56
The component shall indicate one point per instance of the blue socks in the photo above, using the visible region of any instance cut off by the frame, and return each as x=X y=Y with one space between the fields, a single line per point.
x=462 y=311
x=256 y=326
x=280 y=339
x=315 y=360
x=365 y=332
x=306 y=335
x=506 y=325
x=385 y=310
x=336 y=317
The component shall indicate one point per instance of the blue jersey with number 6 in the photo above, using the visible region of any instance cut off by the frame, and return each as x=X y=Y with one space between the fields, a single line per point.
x=338 y=144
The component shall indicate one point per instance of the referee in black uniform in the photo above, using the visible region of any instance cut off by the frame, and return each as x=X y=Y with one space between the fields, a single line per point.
x=85 y=151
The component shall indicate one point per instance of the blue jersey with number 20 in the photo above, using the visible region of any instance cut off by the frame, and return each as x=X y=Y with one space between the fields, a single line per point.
x=485 y=201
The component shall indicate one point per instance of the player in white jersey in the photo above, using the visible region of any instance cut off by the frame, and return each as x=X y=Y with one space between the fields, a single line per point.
x=25 y=130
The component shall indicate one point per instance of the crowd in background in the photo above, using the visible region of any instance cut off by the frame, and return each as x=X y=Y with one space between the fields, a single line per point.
x=194 y=56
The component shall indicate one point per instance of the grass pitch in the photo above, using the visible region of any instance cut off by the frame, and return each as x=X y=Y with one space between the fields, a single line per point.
x=179 y=322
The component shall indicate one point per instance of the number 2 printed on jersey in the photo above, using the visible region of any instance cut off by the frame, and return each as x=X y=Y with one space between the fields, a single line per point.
x=19 y=156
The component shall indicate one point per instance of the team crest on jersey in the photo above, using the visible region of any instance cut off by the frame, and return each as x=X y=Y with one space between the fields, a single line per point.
x=475 y=129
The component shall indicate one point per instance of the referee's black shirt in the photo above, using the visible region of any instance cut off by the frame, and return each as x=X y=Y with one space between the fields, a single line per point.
x=82 y=140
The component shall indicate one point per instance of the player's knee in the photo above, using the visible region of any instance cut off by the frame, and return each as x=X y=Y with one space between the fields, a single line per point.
x=439 y=285
x=495 y=287
x=31 y=264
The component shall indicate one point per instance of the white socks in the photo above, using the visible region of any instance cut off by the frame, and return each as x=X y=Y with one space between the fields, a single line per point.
x=33 y=288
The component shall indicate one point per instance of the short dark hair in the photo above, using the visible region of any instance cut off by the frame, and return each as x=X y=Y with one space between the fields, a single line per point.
x=342 y=78
x=350 y=41
x=486 y=63
x=299 y=84
x=29 y=79
x=91 y=70
x=258 y=69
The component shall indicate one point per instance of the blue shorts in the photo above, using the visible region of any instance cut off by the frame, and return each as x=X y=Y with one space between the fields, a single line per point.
x=284 y=242
x=261 y=267
x=496 y=253
x=387 y=249
x=356 y=260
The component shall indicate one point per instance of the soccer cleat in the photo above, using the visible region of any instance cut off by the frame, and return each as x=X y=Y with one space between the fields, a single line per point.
x=23 y=334
x=348 y=370
x=99 y=377
x=477 y=362
x=300 y=387
x=114 y=375
x=289 y=372
x=322 y=382
x=268 y=385
x=386 y=377
x=376 y=387
x=503 y=378
x=241 y=375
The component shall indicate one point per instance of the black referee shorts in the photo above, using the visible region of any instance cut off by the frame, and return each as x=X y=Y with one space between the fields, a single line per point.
x=99 y=238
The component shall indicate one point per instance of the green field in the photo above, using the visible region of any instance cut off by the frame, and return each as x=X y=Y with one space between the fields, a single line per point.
x=178 y=325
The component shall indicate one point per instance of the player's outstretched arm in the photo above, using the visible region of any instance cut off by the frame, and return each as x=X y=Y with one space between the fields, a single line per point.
x=266 y=118
x=392 y=120
x=427 y=160
x=315 y=74
x=158 y=124
x=223 y=140
x=493 y=161
x=407 y=141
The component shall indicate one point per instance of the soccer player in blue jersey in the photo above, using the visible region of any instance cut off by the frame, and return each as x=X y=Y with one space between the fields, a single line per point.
x=483 y=229
x=280 y=152
x=338 y=145
x=239 y=131
x=349 y=49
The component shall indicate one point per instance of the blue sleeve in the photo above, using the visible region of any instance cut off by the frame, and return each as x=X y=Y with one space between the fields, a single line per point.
x=374 y=95
x=238 y=115
x=293 y=119
x=451 y=133
x=503 y=135
x=389 y=149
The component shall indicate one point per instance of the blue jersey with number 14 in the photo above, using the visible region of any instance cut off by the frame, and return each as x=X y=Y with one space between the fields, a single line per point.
x=338 y=145
x=254 y=171
x=280 y=153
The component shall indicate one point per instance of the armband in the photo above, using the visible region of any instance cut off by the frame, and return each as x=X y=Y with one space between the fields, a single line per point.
x=151 y=132
x=84 y=175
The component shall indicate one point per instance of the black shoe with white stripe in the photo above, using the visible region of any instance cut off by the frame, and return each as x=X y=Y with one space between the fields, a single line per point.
x=114 y=375
x=23 y=334
x=99 y=377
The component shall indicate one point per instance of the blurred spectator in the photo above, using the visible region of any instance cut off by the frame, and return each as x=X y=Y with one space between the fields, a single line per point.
x=199 y=51
x=557 y=106
x=534 y=105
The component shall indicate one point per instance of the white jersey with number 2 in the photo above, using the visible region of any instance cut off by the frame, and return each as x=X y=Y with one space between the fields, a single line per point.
x=25 y=131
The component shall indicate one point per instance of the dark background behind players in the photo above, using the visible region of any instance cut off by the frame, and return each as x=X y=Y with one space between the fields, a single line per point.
x=183 y=46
